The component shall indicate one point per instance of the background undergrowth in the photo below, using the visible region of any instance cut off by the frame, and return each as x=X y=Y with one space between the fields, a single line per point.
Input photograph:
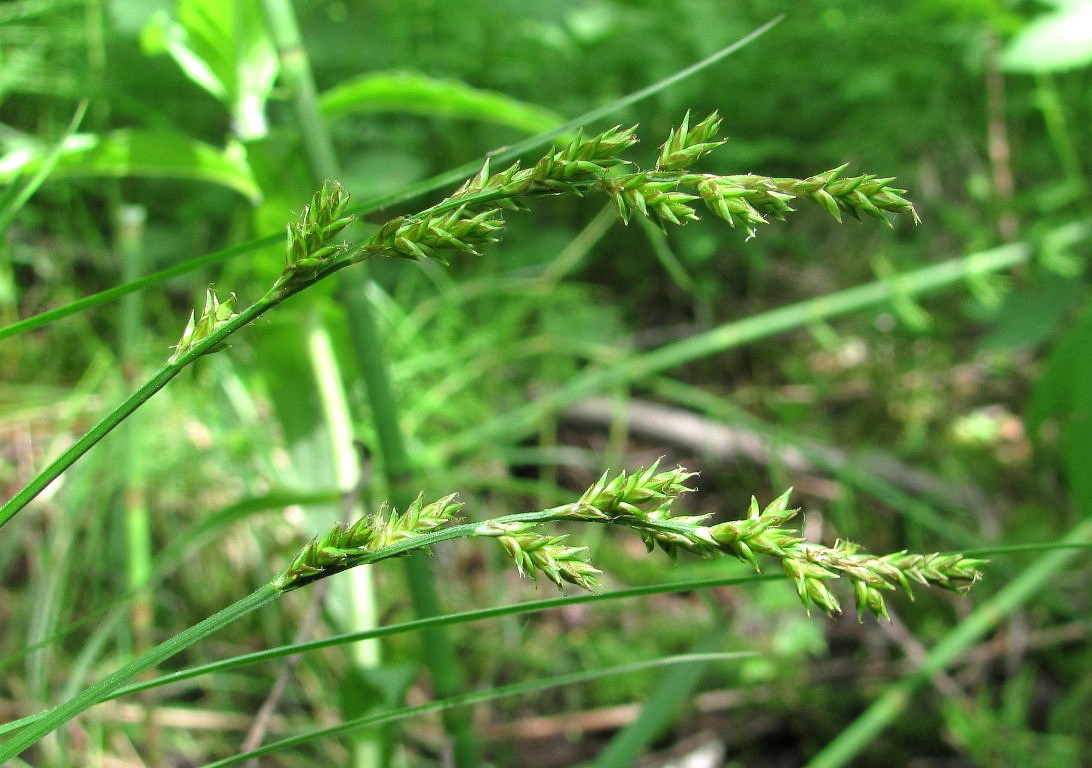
x=931 y=410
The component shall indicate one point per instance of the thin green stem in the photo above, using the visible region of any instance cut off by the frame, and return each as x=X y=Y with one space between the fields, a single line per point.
x=1050 y=104
x=464 y=617
x=93 y=694
x=138 y=525
x=372 y=364
x=296 y=69
x=131 y=403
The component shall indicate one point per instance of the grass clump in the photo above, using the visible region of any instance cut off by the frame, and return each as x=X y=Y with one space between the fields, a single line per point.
x=669 y=193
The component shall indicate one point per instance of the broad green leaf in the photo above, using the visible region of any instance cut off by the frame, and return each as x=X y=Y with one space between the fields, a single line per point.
x=1064 y=392
x=1055 y=41
x=224 y=48
x=123 y=153
x=422 y=95
x=1031 y=315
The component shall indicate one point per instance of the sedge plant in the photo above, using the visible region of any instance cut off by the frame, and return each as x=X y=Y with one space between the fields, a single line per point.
x=473 y=216
x=669 y=193
x=641 y=502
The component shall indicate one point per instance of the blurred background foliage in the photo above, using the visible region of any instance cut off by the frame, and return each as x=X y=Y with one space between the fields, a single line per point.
x=977 y=403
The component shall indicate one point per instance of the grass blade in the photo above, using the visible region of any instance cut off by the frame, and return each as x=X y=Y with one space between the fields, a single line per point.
x=465 y=617
x=479 y=697
x=523 y=421
x=93 y=694
x=415 y=93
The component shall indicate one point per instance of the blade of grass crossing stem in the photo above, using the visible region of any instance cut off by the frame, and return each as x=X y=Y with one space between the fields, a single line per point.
x=481 y=614
x=522 y=421
x=479 y=697
x=894 y=701
x=138 y=528
x=15 y=197
x=447 y=178
x=438 y=652
x=662 y=706
x=95 y=693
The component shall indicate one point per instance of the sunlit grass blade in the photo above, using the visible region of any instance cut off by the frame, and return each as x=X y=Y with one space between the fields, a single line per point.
x=519 y=423
x=151 y=154
x=416 y=93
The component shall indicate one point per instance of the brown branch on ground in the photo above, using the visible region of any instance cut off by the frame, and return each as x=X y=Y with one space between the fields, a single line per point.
x=728 y=443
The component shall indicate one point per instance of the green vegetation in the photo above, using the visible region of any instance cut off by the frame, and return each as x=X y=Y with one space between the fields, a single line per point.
x=587 y=300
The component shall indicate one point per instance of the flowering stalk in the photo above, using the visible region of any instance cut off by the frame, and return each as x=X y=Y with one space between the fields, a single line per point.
x=473 y=216
x=642 y=502
x=342 y=548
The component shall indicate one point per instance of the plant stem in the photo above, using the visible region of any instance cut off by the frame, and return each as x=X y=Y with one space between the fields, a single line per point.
x=440 y=656
x=138 y=536
x=131 y=403
x=432 y=184
x=102 y=689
